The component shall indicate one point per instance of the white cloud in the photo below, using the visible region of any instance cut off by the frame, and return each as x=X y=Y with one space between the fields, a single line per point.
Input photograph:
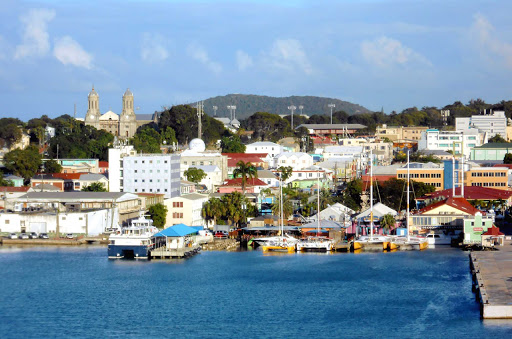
x=483 y=33
x=198 y=53
x=243 y=60
x=289 y=55
x=385 y=52
x=153 y=48
x=69 y=52
x=35 y=36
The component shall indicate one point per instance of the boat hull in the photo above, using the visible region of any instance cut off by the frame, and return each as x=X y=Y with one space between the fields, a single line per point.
x=128 y=251
x=277 y=248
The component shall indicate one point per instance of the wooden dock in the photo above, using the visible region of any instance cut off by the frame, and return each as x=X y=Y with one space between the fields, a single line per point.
x=492 y=281
x=179 y=253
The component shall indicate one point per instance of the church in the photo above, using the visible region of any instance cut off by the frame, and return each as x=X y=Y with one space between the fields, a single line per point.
x=123 y=126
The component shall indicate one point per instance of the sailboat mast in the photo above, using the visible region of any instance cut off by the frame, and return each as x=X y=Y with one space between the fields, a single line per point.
x=371 y=194
x=281 y=215
x=407 y=213
x=318 y=204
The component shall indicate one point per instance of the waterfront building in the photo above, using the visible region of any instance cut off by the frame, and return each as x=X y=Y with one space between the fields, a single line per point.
x=185 y=209
x=491 y=151
x=152 y=173
x=460 y=142
x=474 y=227
x=491 y=122
x=9 y=192
x=123 y=126
x=471 y=193
x=115 y=164
x=267 y=147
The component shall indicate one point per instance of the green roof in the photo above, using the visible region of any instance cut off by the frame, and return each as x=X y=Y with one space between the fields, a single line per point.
x=496 y=145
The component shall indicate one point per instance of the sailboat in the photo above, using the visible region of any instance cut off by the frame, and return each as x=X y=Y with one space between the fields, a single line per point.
x=280 y=243
x=408 y=242
x=316 y=243
x=372 y=241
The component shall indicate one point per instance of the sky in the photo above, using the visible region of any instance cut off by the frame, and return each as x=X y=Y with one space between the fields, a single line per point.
x=390 y=54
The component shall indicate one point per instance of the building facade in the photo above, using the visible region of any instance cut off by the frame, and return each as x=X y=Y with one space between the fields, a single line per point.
x=491 y=122
x=458 y=141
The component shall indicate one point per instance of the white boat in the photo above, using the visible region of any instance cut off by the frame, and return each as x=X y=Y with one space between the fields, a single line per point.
x=133 y=241
x=262 y=241
x=439 y=239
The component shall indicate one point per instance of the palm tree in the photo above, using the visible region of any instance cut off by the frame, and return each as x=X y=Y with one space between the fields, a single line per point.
x=387 y=222
x=213 y=209
x=245 y=170
x=287 y=207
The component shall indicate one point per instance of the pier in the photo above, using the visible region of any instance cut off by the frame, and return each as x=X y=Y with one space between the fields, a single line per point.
x=492 y=281
x=174 y=253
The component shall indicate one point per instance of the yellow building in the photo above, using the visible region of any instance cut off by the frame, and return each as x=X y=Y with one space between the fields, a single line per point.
x=495 y=177
x=428 y=175
x=398 y=133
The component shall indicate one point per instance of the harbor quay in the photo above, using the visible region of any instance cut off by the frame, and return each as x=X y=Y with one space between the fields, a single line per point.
x=492 y=281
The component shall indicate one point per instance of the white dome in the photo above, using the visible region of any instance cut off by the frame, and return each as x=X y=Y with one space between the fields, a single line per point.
x=197 y=145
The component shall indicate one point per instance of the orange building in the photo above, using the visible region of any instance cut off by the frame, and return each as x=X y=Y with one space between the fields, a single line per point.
x=495 y=177
x=430 y=176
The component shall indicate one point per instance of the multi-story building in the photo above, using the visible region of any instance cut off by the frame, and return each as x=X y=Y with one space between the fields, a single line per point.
x=491 y=122
x=400 y=133
x=197 y=155
x=152 y=173
x=495 y=177
x=491 y=151
x=295 y=160
x=429 y=173
x=185 y=209
x=115 y=165
x=458 y=141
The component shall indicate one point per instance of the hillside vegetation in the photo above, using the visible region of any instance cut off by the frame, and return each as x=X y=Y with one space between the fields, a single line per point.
x=246 y=105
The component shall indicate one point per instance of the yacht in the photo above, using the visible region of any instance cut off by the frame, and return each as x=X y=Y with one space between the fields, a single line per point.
x=315 y=244
x=262 y=241
x=134 y=241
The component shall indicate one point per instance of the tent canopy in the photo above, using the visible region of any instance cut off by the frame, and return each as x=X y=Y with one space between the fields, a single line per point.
x=379 y=210
x=179 y=230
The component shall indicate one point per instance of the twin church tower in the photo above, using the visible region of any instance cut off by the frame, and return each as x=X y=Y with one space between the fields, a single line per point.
x=122 y=126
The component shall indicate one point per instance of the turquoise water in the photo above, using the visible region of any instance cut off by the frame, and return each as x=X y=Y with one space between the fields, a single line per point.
x=78 y=292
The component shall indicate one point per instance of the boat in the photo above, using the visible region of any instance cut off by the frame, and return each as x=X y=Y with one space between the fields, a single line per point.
x=262 y=241
x=439 y=239
x=371 y=242
x=316 y=243
x=280 y=243
x=134 y=241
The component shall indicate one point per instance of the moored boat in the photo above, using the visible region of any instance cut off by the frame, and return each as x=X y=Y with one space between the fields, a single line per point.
x=134 y=241
x=323 y=244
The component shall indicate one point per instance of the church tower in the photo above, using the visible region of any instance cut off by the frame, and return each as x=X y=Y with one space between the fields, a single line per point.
x=92 y=117
x=127 y=120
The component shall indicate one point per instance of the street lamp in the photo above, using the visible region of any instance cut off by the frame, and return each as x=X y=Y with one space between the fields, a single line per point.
x=231 y=109
x=292 y=108
x=331 y=106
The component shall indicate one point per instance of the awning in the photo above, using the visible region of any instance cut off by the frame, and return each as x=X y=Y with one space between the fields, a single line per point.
x=179 y=230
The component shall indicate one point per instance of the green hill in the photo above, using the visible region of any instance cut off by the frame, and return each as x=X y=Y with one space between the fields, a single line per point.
x=246 y=105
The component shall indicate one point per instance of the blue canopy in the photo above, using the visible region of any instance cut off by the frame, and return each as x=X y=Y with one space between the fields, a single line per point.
x=179 y=230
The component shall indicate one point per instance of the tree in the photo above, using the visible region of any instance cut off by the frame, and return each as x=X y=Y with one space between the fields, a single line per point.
x=267 y=126
x=285 y=172
x=24 y=163
x=194 y=174
x=147 y=140
x=287 y=207
x=232 y=144
x=94 y=187
x=213 y=209
x=158 y=212
x=4 y=182
x=52 y=166
x=233 y=203
x=496 y=139
x=245 y=170
x=508 y=158
x=387 y=222
x=168 y=135
x=352 y=194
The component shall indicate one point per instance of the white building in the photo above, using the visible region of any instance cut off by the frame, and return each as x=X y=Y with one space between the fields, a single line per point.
x=185 y=209
x=213 y=176
x=492 y=122
x=271 y=148
x=295 y=160
x=433 y=139
x=340 y=152
x=268 y=177
x=115 y=165
x=152 y=173
x=197 y=156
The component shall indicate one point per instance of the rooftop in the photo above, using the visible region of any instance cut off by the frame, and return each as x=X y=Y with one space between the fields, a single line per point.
x=471 y=193
x=458 y=203
x=332 y=126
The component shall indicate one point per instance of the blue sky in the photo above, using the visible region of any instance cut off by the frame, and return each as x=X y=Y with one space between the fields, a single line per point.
x=392 y=54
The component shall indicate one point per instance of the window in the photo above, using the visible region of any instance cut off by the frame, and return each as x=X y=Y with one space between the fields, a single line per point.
x=184 y=162
x=150 y=161
x=135 y=190
x=143 y=161
x=143 y=190
x=134 y=161
x=150 y=180
x=165 y=161
x=135 y=180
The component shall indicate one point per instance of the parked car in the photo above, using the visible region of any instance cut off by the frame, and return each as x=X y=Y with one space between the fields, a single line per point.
x=32 y=235
x=44 y=236
x=23 y=236
x=69 y=236
x=13 y=236
x=221 y=234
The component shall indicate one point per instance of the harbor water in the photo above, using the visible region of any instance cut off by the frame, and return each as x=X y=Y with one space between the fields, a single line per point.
x=77 y=292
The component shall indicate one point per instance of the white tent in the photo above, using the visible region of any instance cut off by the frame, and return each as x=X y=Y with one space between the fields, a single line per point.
x=379 y=210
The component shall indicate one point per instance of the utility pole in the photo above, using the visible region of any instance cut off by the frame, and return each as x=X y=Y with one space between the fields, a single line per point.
x=331 y=106
x=215 y=111
x=200 y=114
x=292 y=108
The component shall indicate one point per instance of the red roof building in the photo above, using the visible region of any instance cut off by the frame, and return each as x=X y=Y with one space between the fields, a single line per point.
x=493 y=231
x=460 y=205
x=472 y=193
x=256 y=159
x=103 y=167
x=253 y=185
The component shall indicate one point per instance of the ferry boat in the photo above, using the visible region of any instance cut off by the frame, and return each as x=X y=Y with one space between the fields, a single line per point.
x=439 y=239
x=134 y=241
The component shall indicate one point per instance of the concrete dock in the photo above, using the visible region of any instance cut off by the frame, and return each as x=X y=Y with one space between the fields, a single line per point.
x=492 y=281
